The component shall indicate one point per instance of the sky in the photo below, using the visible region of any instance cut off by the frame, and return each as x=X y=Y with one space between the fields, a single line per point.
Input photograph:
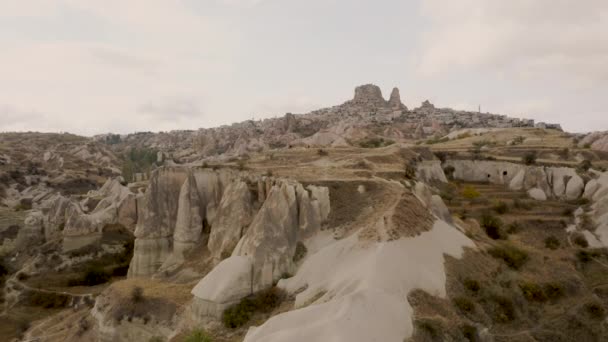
x=91 y=67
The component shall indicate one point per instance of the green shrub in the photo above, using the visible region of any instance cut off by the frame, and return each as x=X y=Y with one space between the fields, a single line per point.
x=472 y=285
x=586 y=256
x=469 y=332
x=503 y=310
x=94 y=275
x=522 y=205
x=469 y=192
x=263 y=301
x=492 y=226
x=464 y=304
x=501 y=207
x=410 y=169
x=580 y=240
x=512 y=256
x=585 y=165
x=198 y=336
x=533 y=292
x=529 y=158
x=449 y=171
x=552 y=242
x=513 y=228
x=595 y=310
x=429 y=327
x=553 y=290
x=375 y=142
x=518 y=140
x=47 y=300
x=137 y=294
x=300 y=252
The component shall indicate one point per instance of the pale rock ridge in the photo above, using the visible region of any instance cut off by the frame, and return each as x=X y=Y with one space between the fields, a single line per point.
x=234 y=216
x=189 y=222
x=395 y=100
x=346 y=281
x=224 y=286
x=32 y=233
x=272 y=236
x=289 y=214
x=559 y=182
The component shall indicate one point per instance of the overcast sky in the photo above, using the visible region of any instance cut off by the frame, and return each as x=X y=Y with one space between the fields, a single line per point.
x=92 y=67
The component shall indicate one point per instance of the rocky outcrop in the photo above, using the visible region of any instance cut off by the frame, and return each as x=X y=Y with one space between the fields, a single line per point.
x=395 y=100
x=369 y=95
x=224 y=286
x=289 y=215
x=559 y=182
x=233 y=218
x=537 y=194
x=189 y=222
x=32 y=234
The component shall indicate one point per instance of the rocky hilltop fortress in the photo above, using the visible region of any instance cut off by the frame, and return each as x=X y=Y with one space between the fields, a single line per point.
x=368 y=115
x=366 y=221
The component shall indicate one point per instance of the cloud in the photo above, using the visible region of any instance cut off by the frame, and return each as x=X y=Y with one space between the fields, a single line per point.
x=529 y=38
x=172 y=109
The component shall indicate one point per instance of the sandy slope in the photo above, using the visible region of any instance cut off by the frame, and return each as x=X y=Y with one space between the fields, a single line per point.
x=360 y=289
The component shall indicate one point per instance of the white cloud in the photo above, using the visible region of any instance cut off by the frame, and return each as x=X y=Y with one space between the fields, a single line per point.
x=525 y=37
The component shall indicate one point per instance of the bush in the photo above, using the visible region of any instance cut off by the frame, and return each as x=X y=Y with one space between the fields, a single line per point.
x=513 y=228
x=137 y=294
x=493 y=227
x=375 y=143
x=595 y=310
x=469 y=192
x=512 y=256
x=442 y=156
x=529 y=158
x=533 y=292
x=567 y=212
x=263 y=301
x=469 y=332
x=552 y=242
x=553 y=290
x=501 y=207
x=504 y=310
x=47 y=300
x=198 y=336
x=464 y=304
x=321 y=152
x=410 y=170
x=94 y=275
x=521 y=205
x=585 y=165
x=580 y=240
x=586 y=256
x=241 y=165
x=300 y=252
x=472 y=285
x=449 y=171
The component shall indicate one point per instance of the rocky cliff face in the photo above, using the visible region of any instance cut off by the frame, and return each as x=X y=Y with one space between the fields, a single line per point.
x=559 y=182
x=225 y=213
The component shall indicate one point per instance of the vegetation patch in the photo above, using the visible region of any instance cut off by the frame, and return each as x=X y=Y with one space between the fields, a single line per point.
x=469 y=192
x=533 y=292
x=198 y=336
x=464 y=304
x=375 y=142
x=512 y=256
x=492 y=226
x=263 y=302
x=552 y=242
